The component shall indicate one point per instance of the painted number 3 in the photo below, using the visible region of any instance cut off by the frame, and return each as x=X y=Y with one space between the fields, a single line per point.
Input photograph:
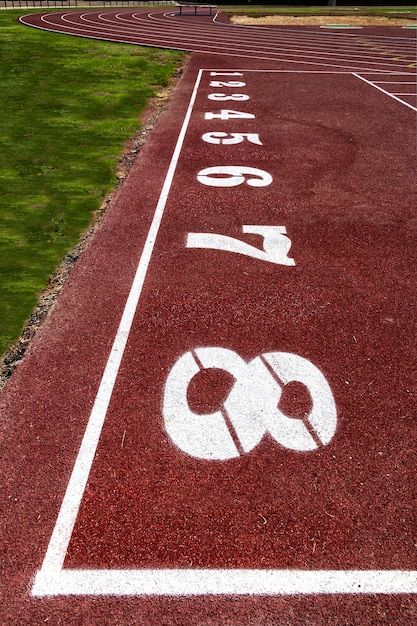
x=251 y=409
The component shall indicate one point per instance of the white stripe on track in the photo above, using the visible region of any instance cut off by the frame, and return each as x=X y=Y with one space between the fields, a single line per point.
x=198 y=582
x=391 y=95
x=62 y=532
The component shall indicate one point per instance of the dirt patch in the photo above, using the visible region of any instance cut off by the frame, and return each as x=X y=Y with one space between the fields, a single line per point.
x=11 y=359
x=320 y=20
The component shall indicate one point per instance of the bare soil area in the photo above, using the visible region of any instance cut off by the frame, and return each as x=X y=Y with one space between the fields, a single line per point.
x=320 y=20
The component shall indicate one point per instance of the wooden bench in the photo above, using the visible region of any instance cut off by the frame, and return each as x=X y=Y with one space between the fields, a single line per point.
x=195 y=6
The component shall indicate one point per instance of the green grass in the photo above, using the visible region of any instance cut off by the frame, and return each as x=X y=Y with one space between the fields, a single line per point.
x=67 y=106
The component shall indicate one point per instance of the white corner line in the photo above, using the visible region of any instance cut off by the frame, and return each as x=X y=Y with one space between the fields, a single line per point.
x=61 y=535
x=198 y=582
x=385 y=92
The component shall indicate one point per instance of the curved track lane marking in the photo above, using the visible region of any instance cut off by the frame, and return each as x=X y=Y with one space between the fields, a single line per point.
x=161 y=29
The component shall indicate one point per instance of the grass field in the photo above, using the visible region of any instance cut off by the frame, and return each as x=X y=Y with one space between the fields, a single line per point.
x=67 y=105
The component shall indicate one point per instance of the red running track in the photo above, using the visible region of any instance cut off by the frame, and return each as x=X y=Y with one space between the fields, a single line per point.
x=375 y=49
x=216 y=425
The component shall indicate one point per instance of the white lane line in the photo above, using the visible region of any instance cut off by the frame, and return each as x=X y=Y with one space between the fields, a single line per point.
x=385 y=92
x=284 y=38
x=61 y=536
x=193 y=39
x=280 y=37
x=190 y=33
x=198 y=582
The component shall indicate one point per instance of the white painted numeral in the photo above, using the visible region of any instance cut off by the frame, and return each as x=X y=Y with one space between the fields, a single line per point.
x=228 y=139
x=251 y=409
x=230 y=83
x=222 y=97
x=229 y=114
x=233 y=175
x=276 y=244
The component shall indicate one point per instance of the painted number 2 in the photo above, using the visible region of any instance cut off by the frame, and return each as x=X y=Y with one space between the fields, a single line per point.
x=251 y=409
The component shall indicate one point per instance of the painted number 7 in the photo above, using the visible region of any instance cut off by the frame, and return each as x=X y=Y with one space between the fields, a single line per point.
x=276 y=244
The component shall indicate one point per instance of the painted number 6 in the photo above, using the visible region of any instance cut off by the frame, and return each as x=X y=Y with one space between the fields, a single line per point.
x=233 y=175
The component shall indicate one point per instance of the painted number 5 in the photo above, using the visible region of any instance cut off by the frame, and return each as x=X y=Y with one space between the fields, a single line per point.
x=229 y=139
x=233 y=175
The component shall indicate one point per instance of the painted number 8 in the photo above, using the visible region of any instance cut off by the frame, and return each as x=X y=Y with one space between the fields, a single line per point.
x=251 y=409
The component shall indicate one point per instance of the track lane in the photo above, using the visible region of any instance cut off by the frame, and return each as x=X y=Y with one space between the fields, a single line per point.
x=343 y=168
x=293 y=46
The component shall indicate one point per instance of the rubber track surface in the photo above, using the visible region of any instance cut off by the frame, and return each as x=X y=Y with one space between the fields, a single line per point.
x=181 y=307
x=364 y=49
